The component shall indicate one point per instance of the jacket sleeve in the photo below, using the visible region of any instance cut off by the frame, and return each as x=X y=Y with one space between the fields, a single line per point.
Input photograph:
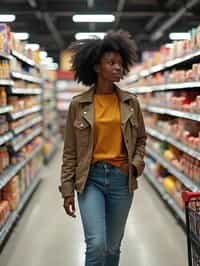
x=138 y=158
x=69 y=156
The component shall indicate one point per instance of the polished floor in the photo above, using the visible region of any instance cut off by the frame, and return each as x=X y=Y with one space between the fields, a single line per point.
x=45 y=236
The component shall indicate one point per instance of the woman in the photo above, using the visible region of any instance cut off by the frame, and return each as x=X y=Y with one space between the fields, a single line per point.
x=104 y=146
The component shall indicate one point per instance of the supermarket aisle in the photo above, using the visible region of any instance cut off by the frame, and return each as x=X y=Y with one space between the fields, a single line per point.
x=46 y=237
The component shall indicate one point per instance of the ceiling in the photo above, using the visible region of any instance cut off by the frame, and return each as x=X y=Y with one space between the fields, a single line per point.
x=49 y=22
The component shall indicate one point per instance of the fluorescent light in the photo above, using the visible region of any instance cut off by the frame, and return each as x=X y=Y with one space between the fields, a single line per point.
x=169 y=45
x=52 y=66
x=43 y=54
x=47 y=60
x=179 y=36
x=21 y=35
x=7 y=18
x=93 y=18
x=32 y=46
x=89 y=35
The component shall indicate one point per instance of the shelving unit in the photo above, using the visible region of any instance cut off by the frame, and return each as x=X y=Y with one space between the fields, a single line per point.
x=147 y=92
x=50 y=125
x=5 y=55
x=21 y=146
x=66 y=89
x=190 y=58
x=188 y=182
x=6 y=109
x=23 y=113
x=167 y=111
x=15 y=214
x=13 y=169
x=181 y=146
x=5 y=137
x=6 y=82
x=24 y=91
x=28 y=125
x=164 y=87
x=165 y=196
x=24 y=59
x=26 y=77
x=18 y=146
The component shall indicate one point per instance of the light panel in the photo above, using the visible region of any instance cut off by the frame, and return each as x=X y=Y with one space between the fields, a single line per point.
x=179 y=36
x=7 y=18
x=93 y=18
x=21 y=36
x=89 y=35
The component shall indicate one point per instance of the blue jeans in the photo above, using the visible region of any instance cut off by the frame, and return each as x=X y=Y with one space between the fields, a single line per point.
x=104 y=206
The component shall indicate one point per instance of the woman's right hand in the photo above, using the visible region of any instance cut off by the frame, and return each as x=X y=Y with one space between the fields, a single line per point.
x=69 y=206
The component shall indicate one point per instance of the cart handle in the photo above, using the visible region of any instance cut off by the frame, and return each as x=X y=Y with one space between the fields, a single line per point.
x=187 y=195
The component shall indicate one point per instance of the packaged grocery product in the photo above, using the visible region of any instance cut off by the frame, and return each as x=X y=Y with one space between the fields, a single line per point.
x=12 y=185
x=169 y=183
x=12 y=198
x=3 y=96
x=4 y=212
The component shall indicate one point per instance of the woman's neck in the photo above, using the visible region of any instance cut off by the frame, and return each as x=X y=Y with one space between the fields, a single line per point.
x=104 y=87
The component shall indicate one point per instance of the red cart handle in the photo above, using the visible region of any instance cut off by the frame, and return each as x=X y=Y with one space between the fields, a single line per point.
x=187 y=195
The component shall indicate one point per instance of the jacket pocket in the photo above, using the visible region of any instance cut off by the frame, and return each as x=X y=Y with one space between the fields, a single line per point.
x=133 y=122
x=82 y=129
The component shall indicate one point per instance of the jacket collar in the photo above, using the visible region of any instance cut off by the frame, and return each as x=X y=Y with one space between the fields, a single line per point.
x=88 y=95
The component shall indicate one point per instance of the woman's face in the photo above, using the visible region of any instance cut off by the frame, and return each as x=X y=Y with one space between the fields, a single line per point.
x=110 y=67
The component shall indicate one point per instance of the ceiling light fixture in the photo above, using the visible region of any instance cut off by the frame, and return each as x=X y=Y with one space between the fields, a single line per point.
x=89 y=35
x=169 y=45
x=179 y=36
x=43 y=54
x=32 y=46
x=52 y=66
x=7 y=18
x=47 y=60
x=93 y=18
x=21 y=36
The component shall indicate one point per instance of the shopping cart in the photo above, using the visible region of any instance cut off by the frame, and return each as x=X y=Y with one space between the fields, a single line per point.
x=192 y=210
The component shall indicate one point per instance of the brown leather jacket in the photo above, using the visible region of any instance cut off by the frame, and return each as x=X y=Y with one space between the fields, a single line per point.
x=78 y=141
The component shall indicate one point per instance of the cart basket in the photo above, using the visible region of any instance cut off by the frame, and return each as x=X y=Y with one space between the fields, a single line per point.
x=192 y=211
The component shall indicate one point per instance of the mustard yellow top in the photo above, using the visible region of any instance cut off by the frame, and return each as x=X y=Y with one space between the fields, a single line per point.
x=108 y=139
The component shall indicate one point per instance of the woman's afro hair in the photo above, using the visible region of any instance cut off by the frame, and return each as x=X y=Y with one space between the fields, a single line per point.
x=87 y=54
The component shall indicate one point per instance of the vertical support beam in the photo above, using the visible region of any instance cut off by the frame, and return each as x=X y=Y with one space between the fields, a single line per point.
x=120 y=7
x=169 y=22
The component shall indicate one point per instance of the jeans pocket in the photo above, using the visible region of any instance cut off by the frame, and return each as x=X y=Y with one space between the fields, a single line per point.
x=120 y=172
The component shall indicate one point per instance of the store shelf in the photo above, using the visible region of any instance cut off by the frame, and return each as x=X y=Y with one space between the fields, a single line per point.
x=5 y=55
x=27 y=125
x=188 y=182
x=24 y=59
x=50 y=120
x=167 y=111
x=26 y=140
x=49 y=157
x=6 y=109
x=26 y=77
x=50 y=107
x=6 y=82
x=20 y=114
x=157 y=68
x=164 y=87
x=181 y=146
x=13 y=169
x=15 y=214
x=5 y=137
x=164 y=195
x=35 y=91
